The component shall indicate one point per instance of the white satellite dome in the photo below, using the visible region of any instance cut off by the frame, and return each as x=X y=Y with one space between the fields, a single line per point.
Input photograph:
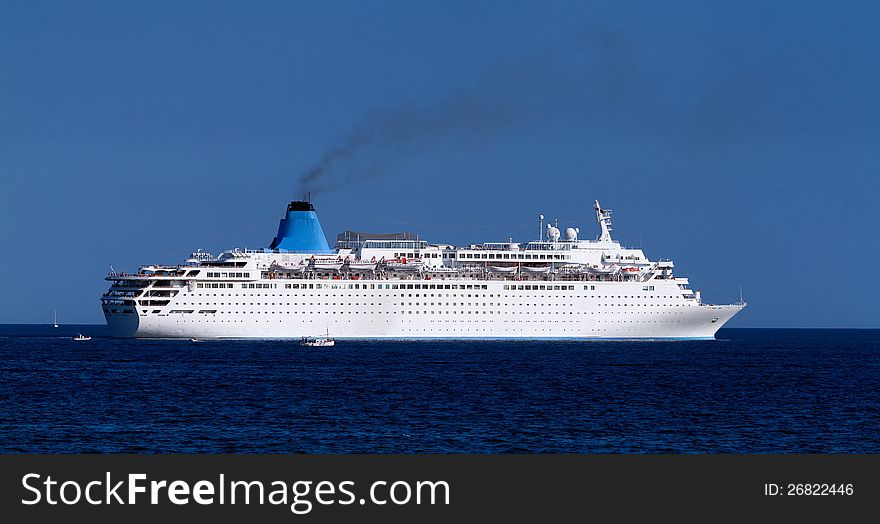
x=571 y=233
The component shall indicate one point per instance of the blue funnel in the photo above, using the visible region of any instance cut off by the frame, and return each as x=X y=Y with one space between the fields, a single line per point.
x=301 y=231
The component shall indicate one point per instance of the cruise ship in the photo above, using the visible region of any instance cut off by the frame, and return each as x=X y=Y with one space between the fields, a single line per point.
x=401 y=286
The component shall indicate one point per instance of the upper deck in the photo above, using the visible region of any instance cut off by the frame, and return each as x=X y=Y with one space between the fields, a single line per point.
x=405 y=256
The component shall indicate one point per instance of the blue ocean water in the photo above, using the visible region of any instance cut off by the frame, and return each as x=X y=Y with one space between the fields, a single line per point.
x=750 y=391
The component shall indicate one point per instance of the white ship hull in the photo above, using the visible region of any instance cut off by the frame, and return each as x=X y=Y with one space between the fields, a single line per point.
x=299 y=287
x=609 y=310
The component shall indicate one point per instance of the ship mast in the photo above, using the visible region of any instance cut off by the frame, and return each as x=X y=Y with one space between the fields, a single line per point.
x=603 y=216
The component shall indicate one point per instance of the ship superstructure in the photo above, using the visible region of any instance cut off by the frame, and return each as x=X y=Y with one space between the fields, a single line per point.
x=401 y=286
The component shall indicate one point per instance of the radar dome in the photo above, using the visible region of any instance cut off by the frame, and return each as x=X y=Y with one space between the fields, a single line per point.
x=571 y=234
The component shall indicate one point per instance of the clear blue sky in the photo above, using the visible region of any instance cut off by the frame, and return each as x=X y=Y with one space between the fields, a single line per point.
x=741 y=139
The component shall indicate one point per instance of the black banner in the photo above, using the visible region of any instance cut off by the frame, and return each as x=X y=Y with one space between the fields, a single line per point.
x=435 y=488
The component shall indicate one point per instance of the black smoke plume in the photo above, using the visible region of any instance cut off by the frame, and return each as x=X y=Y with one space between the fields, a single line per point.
x=603 y=72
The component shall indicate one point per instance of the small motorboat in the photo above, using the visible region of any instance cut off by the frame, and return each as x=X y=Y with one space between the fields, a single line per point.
x=81 y=338
x=195 y=340
x=318 y=342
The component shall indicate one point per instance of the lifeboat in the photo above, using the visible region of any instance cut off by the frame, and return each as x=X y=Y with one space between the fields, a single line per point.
x=361 y=265
x=326 y=264
x=604 y=270
x=443 y=270
x=293 y=268
x=404 y=264
x=503 y=269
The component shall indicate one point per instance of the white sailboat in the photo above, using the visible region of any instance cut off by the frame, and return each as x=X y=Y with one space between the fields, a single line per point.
x=55 y=319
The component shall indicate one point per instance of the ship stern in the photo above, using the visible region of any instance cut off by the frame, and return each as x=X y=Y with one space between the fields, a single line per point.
x=122 y=325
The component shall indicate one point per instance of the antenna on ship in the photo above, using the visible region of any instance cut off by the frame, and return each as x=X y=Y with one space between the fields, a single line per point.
x=541 y=227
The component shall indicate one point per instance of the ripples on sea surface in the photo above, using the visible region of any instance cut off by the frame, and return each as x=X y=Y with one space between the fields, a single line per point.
x=751 y=391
